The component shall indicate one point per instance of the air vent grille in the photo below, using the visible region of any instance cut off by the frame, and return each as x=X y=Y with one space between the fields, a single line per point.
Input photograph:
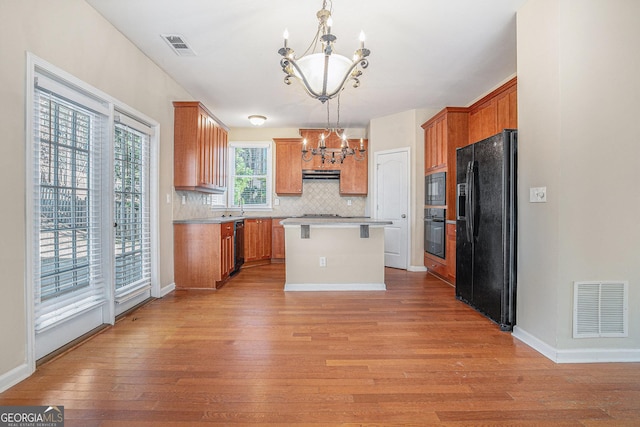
x=600 y=309
x=178 y=44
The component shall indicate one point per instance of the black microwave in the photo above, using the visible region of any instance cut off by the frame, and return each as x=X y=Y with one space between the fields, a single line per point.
x=435 y=189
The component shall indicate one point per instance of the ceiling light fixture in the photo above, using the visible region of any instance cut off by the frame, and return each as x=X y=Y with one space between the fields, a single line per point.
x=323 y=72
x=257 y=120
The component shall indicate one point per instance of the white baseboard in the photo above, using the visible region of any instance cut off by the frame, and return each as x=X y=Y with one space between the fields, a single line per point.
x=167 y=289
x=14 y=376
x=417 y=268
x=335 y=287
x=581 y=355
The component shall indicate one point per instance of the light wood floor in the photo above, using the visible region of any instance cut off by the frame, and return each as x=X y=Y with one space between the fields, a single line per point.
x=250 y=354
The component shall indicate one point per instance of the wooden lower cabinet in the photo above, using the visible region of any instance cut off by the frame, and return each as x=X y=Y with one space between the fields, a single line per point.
x=203 y=254
x=277 y=240
x=450 y=250
x=435 y=265
x=257 y=240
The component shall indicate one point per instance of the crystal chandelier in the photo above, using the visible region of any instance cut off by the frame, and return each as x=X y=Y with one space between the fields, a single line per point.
x=323 y=72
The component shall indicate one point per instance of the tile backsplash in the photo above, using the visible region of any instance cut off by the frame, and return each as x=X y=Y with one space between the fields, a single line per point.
x=318 y=197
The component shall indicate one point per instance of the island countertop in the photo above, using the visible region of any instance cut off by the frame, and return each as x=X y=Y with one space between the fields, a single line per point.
x=335 y=221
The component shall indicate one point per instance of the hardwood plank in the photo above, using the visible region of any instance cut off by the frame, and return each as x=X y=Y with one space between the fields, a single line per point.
x=250 y=354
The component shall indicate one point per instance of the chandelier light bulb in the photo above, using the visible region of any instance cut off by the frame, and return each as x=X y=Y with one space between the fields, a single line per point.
x=362 y=39
x=286 y=37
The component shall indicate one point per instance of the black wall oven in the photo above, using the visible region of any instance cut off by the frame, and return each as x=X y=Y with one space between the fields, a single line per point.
x=435 y=231
x=435 y=189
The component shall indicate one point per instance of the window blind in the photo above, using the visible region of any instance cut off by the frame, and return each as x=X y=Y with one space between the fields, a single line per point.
x=132 y=213
x=68 y=148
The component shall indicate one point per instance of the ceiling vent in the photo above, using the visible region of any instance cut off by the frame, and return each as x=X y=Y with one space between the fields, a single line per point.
x=178 y=44
x=600 y=309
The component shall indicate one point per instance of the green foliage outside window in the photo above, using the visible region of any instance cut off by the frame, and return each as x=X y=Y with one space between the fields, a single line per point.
x=250 y=178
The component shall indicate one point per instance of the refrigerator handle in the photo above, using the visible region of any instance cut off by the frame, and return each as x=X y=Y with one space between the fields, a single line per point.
x=469 y=214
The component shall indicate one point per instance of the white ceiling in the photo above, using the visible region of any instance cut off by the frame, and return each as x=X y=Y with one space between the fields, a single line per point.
x=424 y=53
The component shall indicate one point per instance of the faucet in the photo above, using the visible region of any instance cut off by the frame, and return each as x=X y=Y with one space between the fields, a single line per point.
x=241 y=207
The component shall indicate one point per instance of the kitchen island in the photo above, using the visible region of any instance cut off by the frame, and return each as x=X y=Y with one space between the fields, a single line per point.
x=334 y=254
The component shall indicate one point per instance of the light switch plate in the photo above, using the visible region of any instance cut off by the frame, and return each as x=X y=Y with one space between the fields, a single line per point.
x=538 y=194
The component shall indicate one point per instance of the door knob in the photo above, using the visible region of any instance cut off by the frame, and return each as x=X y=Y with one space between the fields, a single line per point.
x=403 y=216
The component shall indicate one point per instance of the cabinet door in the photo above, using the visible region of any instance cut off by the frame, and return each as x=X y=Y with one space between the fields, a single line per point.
x=265 y=238
x=482 y=122
x=200 y=158
x=354 y=174
x=226 y=249
x=277 y=239
x=288 y=166
x=507 y=109
x=197 y=255
x=435 y=150
x=257 y=239
x=451 y=252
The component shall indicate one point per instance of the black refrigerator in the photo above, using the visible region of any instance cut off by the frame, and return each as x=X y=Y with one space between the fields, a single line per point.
x=486 y=227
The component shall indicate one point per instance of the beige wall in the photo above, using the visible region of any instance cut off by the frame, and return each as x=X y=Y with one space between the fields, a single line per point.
x=402 y=130
x=70 y=35
x=578 y=93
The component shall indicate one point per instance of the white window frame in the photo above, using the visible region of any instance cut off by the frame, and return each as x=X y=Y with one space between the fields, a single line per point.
x=230 y=189
x=36 y=65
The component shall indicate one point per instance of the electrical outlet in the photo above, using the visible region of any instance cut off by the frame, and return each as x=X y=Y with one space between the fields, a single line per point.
x=348 y=202
x=323 y=261
x=276 y=202
x=538 y=194
x=184 y=200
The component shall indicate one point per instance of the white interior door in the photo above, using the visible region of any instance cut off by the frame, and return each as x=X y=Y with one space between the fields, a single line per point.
x=392 y=204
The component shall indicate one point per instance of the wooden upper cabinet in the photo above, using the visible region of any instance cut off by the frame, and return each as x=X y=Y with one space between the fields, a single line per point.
x=354 y=174
x=288 y=166
x=494 y=112
x=443 y=133
x=435 y=143
x=200 y=150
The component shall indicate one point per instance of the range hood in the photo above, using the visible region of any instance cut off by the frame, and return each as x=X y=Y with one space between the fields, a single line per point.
x=321 y=174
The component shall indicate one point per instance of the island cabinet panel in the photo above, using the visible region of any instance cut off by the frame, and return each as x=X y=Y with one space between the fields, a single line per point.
x=257 y=240
x=203 y=254
x=288 y=166
x=277 y=240
x=200 y=150
x=494 y=112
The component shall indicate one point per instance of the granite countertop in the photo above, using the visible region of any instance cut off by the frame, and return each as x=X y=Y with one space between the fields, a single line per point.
x=216 y=220
x=334 y=221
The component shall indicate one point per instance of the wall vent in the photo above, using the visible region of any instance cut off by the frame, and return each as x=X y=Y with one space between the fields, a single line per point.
x=178 y=44
x=600 y=309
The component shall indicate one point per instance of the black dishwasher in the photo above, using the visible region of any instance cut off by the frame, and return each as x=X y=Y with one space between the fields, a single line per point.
x=238 y=247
